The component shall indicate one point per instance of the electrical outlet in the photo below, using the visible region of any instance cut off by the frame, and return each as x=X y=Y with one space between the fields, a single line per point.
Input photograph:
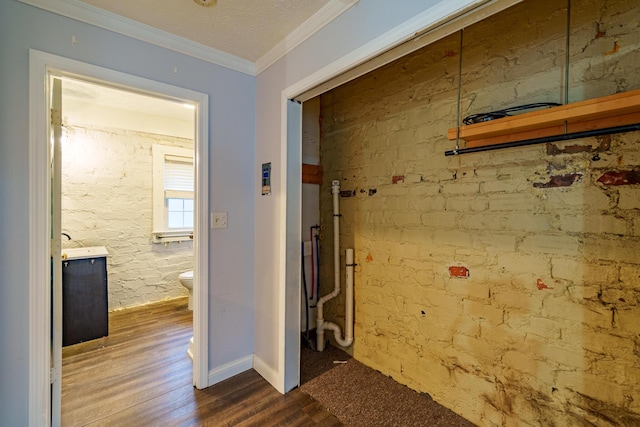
x=219 y=220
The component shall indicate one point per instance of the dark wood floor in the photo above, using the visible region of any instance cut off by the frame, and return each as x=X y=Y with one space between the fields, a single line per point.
x=140 y=375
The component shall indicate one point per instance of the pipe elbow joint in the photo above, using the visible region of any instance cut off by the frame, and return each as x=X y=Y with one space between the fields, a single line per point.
x=337 y=334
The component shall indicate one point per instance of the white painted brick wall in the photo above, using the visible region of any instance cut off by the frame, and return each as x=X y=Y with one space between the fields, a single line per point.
x=107 y=201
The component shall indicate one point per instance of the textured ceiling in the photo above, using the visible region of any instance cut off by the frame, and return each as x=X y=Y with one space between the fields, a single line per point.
x=247 y=29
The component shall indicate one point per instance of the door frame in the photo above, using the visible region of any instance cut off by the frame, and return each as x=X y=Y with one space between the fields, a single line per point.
x=42 y=65
x=433 y=24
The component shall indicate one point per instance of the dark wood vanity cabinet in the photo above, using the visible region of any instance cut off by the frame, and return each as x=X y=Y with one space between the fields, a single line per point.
x=84 y=300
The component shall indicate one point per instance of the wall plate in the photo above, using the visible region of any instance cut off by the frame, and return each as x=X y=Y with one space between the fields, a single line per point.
x=219 y=220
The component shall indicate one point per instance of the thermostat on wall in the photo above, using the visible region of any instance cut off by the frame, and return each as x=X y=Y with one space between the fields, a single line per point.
x=266 y=179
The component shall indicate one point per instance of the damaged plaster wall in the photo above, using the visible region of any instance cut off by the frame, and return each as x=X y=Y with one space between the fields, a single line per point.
x=506 y=284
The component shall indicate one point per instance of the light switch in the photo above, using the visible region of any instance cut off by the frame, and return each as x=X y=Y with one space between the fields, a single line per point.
x=219 y=220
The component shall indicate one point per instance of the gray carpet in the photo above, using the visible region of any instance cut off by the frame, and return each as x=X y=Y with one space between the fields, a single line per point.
x=314 y=363
x=361 y=397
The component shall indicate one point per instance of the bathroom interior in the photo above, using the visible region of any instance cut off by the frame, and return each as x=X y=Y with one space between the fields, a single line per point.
x=123 y=245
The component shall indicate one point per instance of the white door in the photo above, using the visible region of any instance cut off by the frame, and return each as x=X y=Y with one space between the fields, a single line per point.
x=291 y=351
x=56 y=261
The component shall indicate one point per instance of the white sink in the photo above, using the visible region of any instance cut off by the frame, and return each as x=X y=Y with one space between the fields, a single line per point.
x=81 y=253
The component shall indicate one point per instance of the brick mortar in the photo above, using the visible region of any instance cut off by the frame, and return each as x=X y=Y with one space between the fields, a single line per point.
x=107 y=201
x=552 y=252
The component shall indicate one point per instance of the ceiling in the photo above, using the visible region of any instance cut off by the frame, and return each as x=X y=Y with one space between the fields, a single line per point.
x=247 y=29
x=92 y=93
x=91 y=104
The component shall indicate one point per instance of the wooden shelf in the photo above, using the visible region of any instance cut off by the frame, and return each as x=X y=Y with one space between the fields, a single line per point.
x=599 y=113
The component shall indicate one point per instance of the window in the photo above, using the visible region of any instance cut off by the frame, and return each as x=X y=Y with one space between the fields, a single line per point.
x=173 y=190
x=180 y=213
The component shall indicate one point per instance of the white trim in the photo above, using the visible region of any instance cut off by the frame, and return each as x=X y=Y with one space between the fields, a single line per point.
x=42 y=64
x=89 y=14
x=267 y=372
x=429 y=26
x=39 y=250
x=308 y=28
x=201 y=244
x=280 y=380
x=101 y=18
x=291 y=297
x=443 y=14
x=230 y=369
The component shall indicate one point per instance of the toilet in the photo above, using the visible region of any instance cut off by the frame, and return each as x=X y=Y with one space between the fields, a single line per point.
x=186 y=279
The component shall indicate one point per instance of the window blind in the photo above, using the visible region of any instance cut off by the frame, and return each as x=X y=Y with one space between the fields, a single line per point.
x=178 y=174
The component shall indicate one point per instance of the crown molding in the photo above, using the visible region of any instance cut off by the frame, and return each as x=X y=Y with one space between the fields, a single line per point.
x=434 y=23
x=92 y=15
x=315 y=23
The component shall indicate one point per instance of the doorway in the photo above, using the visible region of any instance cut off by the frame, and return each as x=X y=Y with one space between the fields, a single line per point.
x=45 y=376
x=120 y=151
x=109 y=171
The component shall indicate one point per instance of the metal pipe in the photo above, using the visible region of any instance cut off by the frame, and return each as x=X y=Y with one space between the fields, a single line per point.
x=313 y=272
x=317 y=264
x=306 y=303
x=542 y=140
x=459 y=92
x=567 y=54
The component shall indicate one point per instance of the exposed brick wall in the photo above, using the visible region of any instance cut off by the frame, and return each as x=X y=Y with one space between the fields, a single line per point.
x=107 y=201
x=545 y=329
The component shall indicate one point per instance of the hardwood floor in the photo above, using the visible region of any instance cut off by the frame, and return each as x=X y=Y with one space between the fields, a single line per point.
x=140 y=375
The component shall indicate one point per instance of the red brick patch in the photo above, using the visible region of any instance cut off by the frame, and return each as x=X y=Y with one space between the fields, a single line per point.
x=620 y=178
x=457 y=271
x=604 y=144
x=541 y=285
x=559 y=181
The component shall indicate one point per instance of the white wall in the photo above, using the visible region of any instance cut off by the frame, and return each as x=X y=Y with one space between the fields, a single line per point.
x=107 y=200
x=232 y=180
x=339 y=45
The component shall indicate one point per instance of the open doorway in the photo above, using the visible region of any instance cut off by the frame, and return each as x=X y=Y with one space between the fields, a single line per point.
x=43 y=67
x=120 y=152
x=317 y=229
x=125 y=255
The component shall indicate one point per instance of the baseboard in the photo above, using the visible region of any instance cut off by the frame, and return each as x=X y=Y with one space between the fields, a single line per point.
x=230 y=369
x=268 y=373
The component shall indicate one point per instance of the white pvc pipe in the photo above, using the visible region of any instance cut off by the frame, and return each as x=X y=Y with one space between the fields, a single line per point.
x=321 y=323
